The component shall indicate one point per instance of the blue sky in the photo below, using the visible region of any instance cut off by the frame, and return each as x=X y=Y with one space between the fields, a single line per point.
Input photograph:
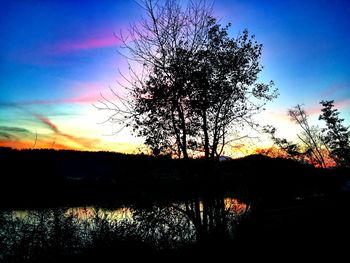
x=57 y=56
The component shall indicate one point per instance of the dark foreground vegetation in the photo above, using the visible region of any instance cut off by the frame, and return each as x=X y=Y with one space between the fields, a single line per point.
x=177 y=207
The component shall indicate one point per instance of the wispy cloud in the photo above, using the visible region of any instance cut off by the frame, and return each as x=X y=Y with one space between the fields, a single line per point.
x=17 y=137
x=342 y=104
x=47 y=123
x=86 y=143
x=81 y=92
x=311 y=110
x=316 y=109
x=9 y=135
x=12 y=133
x=60 y=52
x=82 y=99
x=84 y=44
x=90 y=95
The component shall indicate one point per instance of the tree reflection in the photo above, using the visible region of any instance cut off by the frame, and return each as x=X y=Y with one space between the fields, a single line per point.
x=194 y=220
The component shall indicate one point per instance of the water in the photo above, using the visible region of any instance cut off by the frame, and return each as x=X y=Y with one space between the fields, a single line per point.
x=160 y=225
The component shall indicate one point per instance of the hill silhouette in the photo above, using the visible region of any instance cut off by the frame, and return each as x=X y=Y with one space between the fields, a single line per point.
x=39 y=177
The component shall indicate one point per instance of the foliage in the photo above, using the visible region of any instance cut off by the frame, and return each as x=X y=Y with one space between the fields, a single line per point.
x=335 y=135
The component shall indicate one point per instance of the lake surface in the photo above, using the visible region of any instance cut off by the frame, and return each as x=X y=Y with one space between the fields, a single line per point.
x=160 y=225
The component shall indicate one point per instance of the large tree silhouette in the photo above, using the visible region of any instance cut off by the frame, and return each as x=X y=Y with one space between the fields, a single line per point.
x=197 y=84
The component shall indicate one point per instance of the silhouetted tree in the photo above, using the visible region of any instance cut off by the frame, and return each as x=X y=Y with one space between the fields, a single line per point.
x=311 y=147
x=197 y=82
x=157 y=102
x=323 y=147
x=310 y=136
x=335 y=135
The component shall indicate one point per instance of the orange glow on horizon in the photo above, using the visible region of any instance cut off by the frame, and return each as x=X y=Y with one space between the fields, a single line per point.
x=275 y=152
x=21 y=145
x=130 y=148
x=127 y=148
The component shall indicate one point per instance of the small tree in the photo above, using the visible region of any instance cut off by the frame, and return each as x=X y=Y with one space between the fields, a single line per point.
x=311 y=147
x=324 y=147
x=335 y=135
x=310 y=136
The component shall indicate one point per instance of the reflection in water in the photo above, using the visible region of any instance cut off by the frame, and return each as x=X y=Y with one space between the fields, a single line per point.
x=212 y=215
x=86 y=213
x=180 y=222
x=235 y=206
x=168 y=225
x=72 y=230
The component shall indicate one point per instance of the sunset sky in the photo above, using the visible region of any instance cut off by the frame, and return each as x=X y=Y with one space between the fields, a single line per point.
x=56 y=57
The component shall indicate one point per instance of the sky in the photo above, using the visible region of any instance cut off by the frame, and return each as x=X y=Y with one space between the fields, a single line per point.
x=57 y=57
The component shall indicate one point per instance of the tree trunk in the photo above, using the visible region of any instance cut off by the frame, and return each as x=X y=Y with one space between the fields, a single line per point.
x=184 y=130
x=206 y=137
x=198 y=219
x=205 y=215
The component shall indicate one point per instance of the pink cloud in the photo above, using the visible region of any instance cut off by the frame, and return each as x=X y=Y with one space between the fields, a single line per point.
x=314 y=110
x=83 y=93
x=47 y=122
x=86 y=89
x=46 y=54
x=85 y=44
x=89 y=99
x=340 y=104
